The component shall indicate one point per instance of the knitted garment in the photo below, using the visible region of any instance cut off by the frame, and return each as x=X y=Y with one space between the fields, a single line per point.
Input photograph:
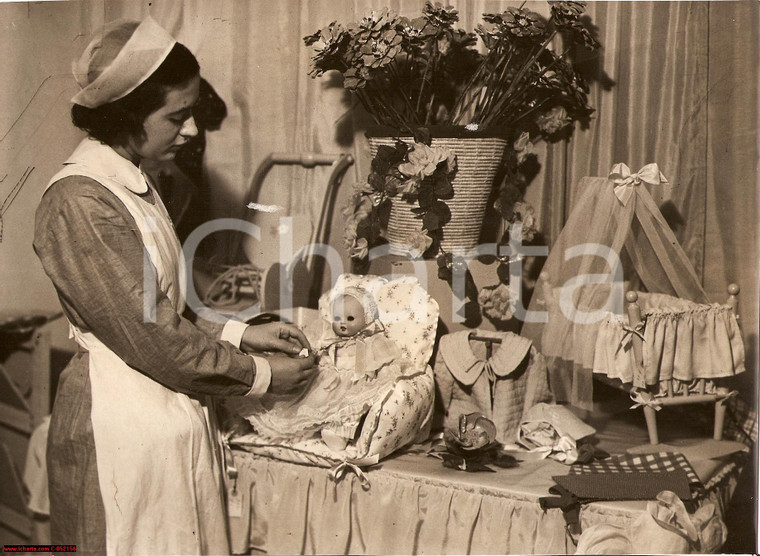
x=501 y=387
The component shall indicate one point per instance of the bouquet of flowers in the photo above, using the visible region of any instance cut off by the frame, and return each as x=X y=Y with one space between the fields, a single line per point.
x=417 y=173
x=413 y=73
x=409 y=73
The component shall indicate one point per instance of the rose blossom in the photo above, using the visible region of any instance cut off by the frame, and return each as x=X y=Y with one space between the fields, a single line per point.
x=418 y=242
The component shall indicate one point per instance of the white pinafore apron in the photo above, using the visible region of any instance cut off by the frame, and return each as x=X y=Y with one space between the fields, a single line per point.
x=156 y=450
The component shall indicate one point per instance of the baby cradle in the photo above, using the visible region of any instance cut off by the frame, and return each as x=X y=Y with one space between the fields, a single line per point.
x=669 y=351
x=673 y=346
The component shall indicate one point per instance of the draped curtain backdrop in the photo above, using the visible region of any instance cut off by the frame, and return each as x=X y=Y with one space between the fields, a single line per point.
x=684 y=96
x=678 y=86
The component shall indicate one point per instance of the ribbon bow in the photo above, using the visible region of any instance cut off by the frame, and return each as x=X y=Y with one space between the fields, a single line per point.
x=645 y=399
x=728 y=395
x=628 y=332
x=565 y=450
x=624 y=181
x=340 y=470
x=229 y=470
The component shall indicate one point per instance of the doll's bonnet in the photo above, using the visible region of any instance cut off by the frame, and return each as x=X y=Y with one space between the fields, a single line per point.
x=362 y=295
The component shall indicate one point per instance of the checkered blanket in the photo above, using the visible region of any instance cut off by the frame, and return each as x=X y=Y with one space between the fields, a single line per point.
x=641 y=463
x=741 y=424
x=632 y=477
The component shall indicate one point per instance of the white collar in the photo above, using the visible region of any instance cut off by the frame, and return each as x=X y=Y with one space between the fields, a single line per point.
x=466 y=367
x=103 y=160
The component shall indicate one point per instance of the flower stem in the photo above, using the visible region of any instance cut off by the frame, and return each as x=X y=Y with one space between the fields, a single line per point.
x=425 y=75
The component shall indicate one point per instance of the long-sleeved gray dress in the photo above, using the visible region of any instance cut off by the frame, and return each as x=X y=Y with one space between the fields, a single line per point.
x=92 y=250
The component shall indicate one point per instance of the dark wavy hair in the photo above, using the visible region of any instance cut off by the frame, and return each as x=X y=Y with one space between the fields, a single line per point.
x=115 y=122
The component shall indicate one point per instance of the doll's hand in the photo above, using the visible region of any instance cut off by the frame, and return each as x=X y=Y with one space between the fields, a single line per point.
x=274 y=336
x=290 y=373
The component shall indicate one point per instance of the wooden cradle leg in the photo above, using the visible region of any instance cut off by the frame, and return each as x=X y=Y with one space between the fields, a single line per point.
x=720 y=418
x=650 y=414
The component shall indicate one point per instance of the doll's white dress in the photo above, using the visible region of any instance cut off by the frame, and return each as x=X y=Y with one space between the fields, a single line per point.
x=353 y=373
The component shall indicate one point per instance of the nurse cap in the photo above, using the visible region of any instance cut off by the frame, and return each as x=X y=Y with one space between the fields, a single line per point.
x=119 y=58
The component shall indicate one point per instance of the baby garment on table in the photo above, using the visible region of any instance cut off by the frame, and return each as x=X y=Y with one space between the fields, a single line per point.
x=666 y=477
x=633 y=477
x=352 y=374
x=556 y=431
x=502 y=387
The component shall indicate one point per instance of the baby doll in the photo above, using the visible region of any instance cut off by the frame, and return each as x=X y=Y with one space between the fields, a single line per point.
x=359 y=344
x=354 y=355
x=358 y=364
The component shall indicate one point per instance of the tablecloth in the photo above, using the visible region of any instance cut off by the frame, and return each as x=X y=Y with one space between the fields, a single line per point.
x=416 y=506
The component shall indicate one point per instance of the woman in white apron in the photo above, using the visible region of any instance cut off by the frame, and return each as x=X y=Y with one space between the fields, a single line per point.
x=132 y=456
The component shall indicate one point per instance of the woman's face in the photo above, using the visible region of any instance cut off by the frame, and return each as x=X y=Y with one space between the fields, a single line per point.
x=169 y=127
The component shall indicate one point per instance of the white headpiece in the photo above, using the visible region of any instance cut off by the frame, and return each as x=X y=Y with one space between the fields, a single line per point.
x=118 y=59
x=363 y=296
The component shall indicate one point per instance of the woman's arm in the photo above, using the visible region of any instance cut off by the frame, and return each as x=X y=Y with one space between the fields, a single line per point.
x=90 y=247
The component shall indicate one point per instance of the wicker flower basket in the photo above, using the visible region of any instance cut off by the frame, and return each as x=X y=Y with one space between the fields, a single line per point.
x=478 y=159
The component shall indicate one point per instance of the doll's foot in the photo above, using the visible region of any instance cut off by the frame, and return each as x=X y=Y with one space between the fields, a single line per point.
x=334 y=442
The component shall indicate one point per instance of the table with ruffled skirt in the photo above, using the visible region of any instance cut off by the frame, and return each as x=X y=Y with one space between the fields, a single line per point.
x=414 y=505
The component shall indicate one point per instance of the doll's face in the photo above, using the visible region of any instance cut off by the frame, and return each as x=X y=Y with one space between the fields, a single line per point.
x=348 y=316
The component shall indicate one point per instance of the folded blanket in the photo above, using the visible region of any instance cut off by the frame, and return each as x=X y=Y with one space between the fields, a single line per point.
x=632 y=477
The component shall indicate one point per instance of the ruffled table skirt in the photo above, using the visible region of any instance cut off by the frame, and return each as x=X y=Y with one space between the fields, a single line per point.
x=416 y=506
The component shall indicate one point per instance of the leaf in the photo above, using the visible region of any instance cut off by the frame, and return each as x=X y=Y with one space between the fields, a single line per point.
x=388 y=157
x=384 y=212
x=376 y=181
x=431 y=221
x=364 y=228
x=442 y=210
x=473 y=467
x=422 y=135
x=383 y=159
x=505 y=461
x=443 y=189
x=445 y=274
x=433 y=249
x=453 y=461
x=400 y=149
x=426 y=195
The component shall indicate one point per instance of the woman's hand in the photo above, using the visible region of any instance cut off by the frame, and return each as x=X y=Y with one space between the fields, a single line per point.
x=290 y=373
x=274 y=336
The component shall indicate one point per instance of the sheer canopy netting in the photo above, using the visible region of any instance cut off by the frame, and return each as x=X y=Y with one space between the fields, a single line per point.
x=615 y=239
